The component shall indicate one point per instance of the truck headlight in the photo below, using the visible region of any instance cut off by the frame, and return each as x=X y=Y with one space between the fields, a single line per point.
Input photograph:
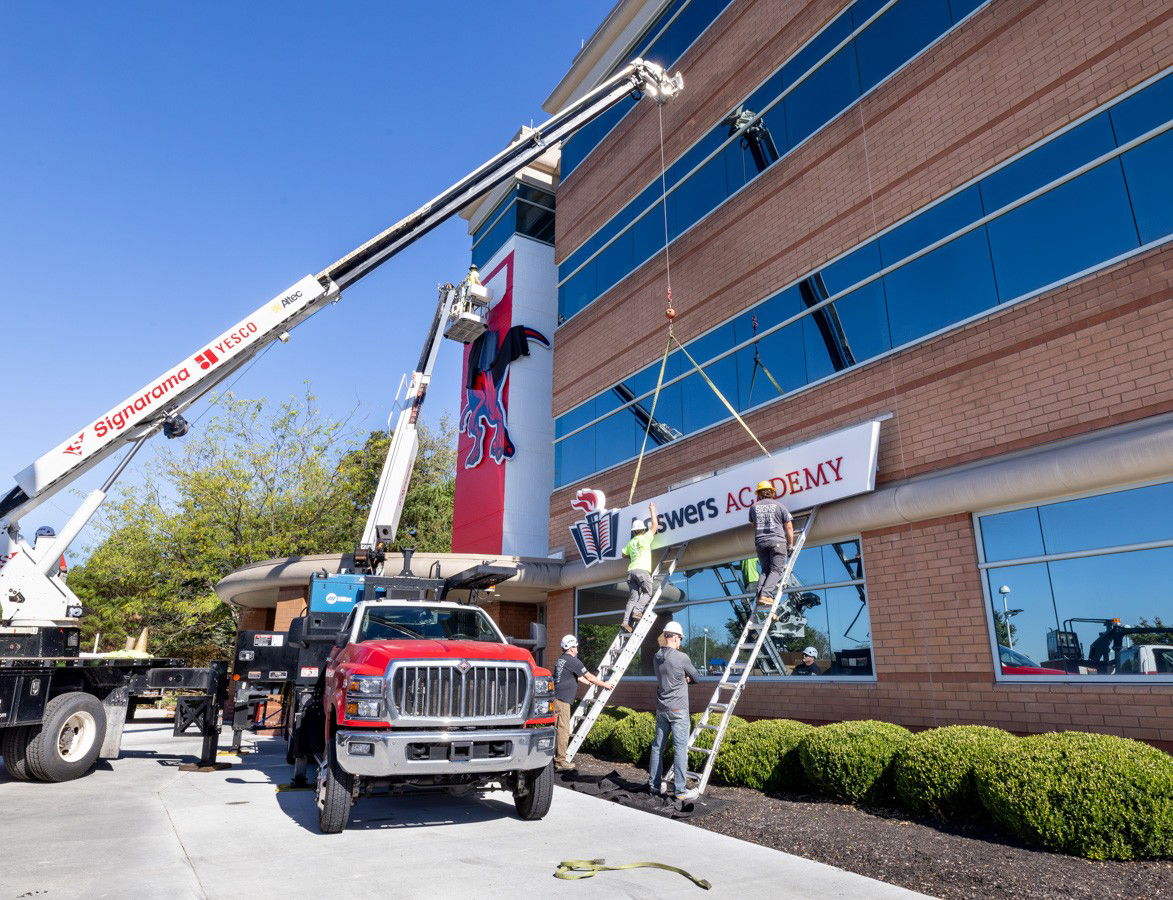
x=543 y=706
x=364 y=709
x=543 y=685
x=364 y=684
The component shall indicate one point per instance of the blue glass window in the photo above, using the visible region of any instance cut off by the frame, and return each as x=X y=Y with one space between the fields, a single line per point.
x=897 y=36
x=1063 y=231
x=828 y=90
x=948 y=285
x=1092 y=614
x=1149 y=172
x=1143 y=111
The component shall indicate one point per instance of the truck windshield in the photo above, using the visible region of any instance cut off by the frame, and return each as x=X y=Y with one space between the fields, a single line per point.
x=397 y=623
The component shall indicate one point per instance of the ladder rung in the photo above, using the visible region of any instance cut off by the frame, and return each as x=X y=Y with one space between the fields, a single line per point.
x=696 y=776
x=695 y=749
x=708 y=727
x=748 y=646
x=721 y=707
x=727 y=685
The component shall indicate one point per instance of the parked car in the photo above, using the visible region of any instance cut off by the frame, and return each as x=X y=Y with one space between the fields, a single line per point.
x=1015 y=663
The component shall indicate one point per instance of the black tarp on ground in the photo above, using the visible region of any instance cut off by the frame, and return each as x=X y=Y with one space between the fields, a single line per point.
x=617 y=789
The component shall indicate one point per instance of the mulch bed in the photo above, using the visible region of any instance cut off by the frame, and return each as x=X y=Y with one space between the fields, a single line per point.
x=947 y=861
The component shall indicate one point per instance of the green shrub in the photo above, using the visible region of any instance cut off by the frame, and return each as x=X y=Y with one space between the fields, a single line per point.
x=600 y=733
x=619 y=712
x=1093 y=795
x=705 y=739
x=632 y=737
x=763 y=755
x=852 y=760
x=933 y=771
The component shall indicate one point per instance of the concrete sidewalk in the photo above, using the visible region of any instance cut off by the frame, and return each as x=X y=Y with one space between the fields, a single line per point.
x=138 y=827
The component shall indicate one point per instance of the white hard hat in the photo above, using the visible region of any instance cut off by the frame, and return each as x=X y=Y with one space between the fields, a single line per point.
x=638 y=525
x=569 y=641
x=673 y=627
x=811 y=651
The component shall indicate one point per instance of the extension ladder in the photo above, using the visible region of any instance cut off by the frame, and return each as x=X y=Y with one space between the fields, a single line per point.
x=620 y=654
x=719 y=712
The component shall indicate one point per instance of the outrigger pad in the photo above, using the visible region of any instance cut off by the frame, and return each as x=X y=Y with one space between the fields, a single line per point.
x=617 y=789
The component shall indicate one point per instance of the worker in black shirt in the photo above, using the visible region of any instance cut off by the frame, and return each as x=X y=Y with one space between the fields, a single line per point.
x=808 y=666
x=568 y=672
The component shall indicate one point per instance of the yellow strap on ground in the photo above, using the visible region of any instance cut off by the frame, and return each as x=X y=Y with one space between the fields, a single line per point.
x=651 y=419
x=720 y=396
x=575 y=869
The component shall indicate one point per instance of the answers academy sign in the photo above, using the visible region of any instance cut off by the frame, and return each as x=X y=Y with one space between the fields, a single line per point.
x=837 y=465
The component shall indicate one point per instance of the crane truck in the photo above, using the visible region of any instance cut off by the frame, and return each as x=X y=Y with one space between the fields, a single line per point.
x=60 y=710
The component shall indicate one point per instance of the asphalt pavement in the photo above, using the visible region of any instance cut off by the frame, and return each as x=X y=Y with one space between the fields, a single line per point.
x=137 y=827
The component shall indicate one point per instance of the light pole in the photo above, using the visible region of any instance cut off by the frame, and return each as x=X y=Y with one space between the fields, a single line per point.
x=705 y=661
x=1004 y=590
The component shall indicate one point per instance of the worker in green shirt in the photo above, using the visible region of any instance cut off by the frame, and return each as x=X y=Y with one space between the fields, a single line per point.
x=639 y=568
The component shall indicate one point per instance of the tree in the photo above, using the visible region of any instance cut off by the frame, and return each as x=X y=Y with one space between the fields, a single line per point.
x=1006 y=630
x=1161 y=633
x=252 y=484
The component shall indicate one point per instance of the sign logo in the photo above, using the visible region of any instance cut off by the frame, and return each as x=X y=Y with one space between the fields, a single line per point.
x=74 y=447
x=595 y=536
x=483 y=416
x=7 y=558
x=207 y=359
x=464 y=665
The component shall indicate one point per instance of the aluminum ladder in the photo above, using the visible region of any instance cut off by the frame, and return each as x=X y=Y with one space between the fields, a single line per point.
x=620 y=654
x=754 y=635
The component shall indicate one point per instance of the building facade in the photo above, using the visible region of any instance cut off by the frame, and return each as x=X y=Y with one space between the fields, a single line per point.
x=950 y=217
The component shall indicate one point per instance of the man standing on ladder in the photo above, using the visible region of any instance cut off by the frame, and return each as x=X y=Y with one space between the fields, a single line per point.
x=639 y=568
x=773 y=537
x=674 y=670
x=568 y=672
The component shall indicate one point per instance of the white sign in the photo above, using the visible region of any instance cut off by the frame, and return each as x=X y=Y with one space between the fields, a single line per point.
x=837 y=465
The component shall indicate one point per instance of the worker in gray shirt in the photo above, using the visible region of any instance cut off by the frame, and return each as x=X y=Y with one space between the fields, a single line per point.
x=773 y=537
x=674 y=670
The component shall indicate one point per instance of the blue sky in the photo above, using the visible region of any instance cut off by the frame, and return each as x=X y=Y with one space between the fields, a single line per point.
x=168 y=167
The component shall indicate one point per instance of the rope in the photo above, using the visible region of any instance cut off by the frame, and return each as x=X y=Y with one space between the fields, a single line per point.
x=670 y=313
x=651 y=418
x=576 y=869
x=720 y=396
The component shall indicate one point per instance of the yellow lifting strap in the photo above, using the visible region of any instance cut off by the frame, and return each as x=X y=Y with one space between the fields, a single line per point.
x=672 y=339
x=575 y=869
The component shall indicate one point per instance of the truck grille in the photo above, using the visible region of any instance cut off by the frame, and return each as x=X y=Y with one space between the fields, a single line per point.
x=459 y=691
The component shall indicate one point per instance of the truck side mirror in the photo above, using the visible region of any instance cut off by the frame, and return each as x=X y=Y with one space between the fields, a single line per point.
x=342 y=639
x=296 y=637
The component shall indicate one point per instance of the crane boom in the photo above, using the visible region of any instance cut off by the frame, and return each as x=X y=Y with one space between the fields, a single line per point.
x=146 y=410
x=158 y=405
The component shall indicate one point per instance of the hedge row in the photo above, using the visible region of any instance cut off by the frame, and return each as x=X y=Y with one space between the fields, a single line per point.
x=1092 y=795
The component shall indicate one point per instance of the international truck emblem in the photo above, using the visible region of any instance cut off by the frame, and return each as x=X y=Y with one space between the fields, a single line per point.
x=464 y=665
x=595 y=536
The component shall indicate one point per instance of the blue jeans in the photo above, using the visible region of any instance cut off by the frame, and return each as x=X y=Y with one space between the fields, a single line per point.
x=678 y=722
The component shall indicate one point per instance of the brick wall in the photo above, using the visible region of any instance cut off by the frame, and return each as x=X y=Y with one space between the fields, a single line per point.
x=973 y=100
x=291 y=603
x=512 y=618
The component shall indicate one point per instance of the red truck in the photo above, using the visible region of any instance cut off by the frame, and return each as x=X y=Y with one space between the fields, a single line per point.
x=429 y=694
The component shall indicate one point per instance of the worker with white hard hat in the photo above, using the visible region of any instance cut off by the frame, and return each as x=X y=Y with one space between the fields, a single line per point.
x=568 y=672
x=809 y=664
x=773 y=537
x=674 y=671
x=639 y=568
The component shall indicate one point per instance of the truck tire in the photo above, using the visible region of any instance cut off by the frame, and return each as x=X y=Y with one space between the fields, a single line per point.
x=70 y=737
x=14 y=747
x=535 y=803
x=335 y=787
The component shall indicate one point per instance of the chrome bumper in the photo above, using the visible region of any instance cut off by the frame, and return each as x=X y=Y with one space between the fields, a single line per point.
x=381 y=754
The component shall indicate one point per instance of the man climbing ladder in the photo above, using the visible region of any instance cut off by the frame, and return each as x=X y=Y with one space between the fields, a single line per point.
x=620 y=654
x=773 y=538
x=754 y=636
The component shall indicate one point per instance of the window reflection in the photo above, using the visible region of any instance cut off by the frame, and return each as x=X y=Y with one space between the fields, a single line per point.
x=1097 y=614
x=712 y=603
